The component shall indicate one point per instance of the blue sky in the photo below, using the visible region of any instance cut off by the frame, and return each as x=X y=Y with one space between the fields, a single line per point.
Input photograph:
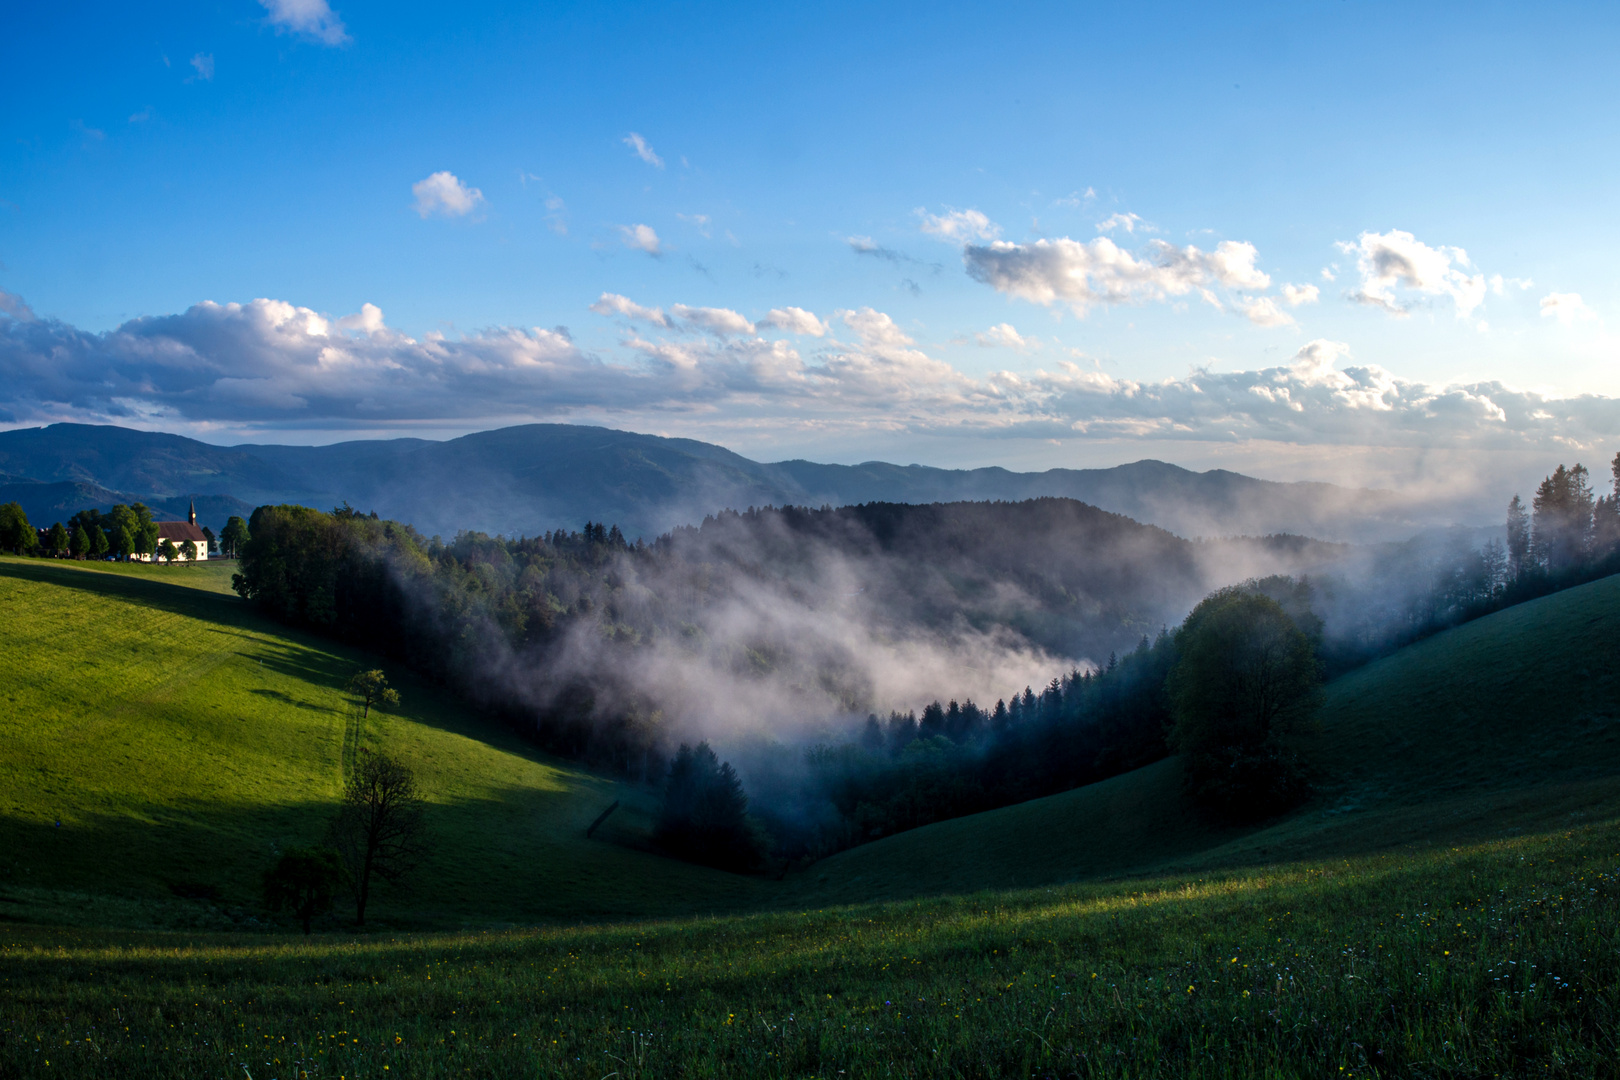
x=1306 y=239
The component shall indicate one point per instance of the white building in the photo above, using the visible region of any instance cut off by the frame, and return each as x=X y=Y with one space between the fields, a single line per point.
x=182 y=533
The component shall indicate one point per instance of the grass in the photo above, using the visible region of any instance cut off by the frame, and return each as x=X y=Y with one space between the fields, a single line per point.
x=1495 y=959
x=1447 y=907
x=181 y=740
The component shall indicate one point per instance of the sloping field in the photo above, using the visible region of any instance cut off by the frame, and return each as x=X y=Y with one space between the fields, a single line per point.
x=1508 y=723
x=180 y=740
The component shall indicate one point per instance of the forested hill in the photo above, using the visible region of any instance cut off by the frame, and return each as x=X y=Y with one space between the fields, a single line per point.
x=541 y=477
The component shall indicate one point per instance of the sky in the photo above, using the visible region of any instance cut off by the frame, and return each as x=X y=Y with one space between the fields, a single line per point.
x=1328 y=240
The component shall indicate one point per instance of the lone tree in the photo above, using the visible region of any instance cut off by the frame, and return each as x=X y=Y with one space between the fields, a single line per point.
x=379 y=830
x=233 y=537
x=705 y=813
x=372 y=688
x=168 y=552
x=1246 y=681
x=304 y=881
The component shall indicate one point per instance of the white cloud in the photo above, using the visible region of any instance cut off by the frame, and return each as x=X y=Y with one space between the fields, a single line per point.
x=697 y=221
x=1002 y=335
x=313 y=19
x=642 y=238
x=721 y=321
x=614 y=304
x=959 y=226
x=1500 y=285
x=1263 y=311
x=1565 y=307
x=368 y=320
x=1397 y=260
x=1085 y=274
x=1295 y=295
x=269 y=364
x=636 y=143
x=1076 y=199
x=442 y=193
x=1129 y=222
x=1328 y=274
x=204 y=63
x=795 y=320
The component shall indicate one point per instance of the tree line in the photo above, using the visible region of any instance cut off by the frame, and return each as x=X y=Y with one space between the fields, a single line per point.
x=124 y=532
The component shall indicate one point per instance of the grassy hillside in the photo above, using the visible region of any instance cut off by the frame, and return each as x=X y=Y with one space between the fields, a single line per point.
x=1480 y=944
x=1489 y=960
x=180 y=740
x=1508 y=723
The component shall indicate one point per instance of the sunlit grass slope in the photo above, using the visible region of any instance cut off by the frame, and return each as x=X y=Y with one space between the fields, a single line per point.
x=1495 y=959
x=180 y=740
x=1507 y=723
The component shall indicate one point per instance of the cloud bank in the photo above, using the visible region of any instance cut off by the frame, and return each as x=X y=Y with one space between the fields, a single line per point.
x=270 y=364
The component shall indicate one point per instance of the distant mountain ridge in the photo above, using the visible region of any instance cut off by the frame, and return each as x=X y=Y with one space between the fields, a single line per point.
x=535 y=477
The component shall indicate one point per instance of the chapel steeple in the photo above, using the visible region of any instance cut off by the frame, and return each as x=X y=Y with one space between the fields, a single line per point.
x=191 y=515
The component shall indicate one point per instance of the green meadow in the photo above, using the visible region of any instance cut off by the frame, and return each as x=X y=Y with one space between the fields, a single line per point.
x=1446 y=906
x=181 y=741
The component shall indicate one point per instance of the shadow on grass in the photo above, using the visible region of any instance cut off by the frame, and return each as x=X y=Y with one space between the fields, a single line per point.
x=515 y=854
x=172 y=597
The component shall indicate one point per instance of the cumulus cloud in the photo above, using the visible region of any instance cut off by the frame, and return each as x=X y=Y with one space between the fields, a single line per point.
x=313 y=19
x=1295 y=295
x=639 y=145
x=270 y=364
x=795 y=320
x=1085 y=274
x=443 y=194
x=641 y=238
x=368 y=320
x=959 y=226
x=1565 y=307
x=1396 y=263
x=1002 y=335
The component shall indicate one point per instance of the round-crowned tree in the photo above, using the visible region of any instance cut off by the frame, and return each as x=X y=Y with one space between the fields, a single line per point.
x=1246 y=684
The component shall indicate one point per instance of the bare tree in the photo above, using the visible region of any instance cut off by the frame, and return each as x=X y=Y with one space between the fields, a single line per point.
x=379 y=830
